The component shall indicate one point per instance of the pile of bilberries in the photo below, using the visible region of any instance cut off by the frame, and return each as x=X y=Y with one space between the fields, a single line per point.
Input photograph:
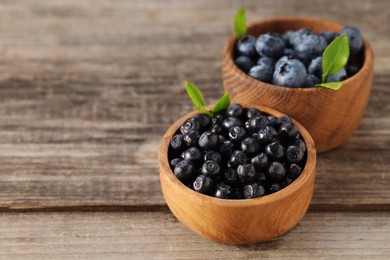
x=294 y=59
x=239 y=153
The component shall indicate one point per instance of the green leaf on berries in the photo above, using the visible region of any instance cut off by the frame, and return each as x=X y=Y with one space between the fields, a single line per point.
x=198 y=100
x=204 y=111
x=335 y=56
x=240 y=23
x=331 y=85
x=222 y=103
x=194 y=94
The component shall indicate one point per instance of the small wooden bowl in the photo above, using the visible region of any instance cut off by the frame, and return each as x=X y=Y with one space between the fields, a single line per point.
x=329 y=116
x=244 y=221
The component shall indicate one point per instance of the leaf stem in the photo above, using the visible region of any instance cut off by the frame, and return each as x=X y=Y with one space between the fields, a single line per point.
x=197 y=98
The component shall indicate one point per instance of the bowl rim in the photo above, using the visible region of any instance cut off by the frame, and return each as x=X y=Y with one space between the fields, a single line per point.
x=228 y=53
x=297 y=184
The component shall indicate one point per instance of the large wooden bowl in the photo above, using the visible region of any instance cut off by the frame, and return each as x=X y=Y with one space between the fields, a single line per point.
x=329 y=116
x=244 y=221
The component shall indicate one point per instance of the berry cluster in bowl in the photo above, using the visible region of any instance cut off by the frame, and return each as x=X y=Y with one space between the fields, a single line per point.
x=238 y=153
x=294 y=59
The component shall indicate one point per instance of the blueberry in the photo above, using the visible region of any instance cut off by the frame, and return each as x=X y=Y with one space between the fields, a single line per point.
x=276 y=171
x=267 y=61
x=253 y=190
x=213 y=156
x=236 y=194
x=177 y=142
x=328 y=35
x=300 y=143
x=352 y=69
x=231 y=177
x=216 y=128
x=315 y=67
x=202 y=184
x=226 y=149
x=189 y=125
x=310 y=46
x=208 y=140
x=287 y=181
x=221 y=139
x=289 y=53
x=256 y=123
x=274 y=187
x=246 y=172
x=311 y=81
x=283 y=60
x=253 y=112
x=184 y=170
x=217 y=119
x=262 y=72
x=230 y=122
x=223 y=191
x=238 y=157
x=267 y=134
x=246 y=46
x=291 y=73
x=235 y=110
x=244 y=63
x=203 y=119
x=248 y=125
x=191 y=138
x=250 y=145
x=255 y=136
x=294 y=154
x=192 y=154
x=286 y=36
x=297 y=36
x=210 y=168
x=294 y=171
x=285 y=119
x=260 y=161
x=237 y=133
x=288 y=131
x=212 y=164
x=339 y=76
x=270 y=45
x=275 y=150
x=274 y=121
x=260 y=177
x=175 y=161
x=355 y=39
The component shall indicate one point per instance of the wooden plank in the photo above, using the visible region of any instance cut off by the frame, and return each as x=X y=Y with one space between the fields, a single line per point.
x=69 y=32
x=73 y=162
x=86 y=93
x=159 y=235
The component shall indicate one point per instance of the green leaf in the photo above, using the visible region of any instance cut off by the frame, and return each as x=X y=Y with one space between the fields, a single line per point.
x=240 y=23
x=204 y=111
x=222 y=103
x=194 y=94
x=331 y=85
x=335 y=56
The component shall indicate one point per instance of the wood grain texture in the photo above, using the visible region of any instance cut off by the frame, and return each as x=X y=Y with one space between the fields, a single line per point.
x=86 y=93
x=325 y=235
x=329 y=116
x=245 y=221
x=87 y=89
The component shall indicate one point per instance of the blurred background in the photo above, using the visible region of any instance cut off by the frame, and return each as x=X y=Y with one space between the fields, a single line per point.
x=142 y=51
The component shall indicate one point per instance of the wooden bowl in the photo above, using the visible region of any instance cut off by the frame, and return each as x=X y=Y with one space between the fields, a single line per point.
x=244 y=221
x=329 y=116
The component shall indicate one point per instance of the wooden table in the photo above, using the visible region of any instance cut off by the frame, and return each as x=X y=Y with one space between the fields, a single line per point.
x=88 y=88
